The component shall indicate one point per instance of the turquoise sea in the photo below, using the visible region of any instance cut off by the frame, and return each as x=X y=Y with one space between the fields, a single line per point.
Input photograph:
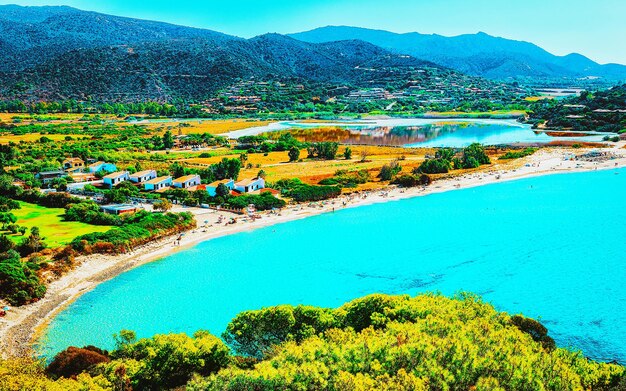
x=550 y=247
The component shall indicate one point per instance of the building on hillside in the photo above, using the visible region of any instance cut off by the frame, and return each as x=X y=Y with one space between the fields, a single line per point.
x=119 y=209
x=47 y=176
x=158 y=183
x=115 y=179
x=212 y=187
x=102 y=166
x=186 y=181
x=250 y=185
x=73 y=164
x=143 y=176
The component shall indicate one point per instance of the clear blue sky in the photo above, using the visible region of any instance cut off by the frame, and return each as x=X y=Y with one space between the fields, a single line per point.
x=595 y=28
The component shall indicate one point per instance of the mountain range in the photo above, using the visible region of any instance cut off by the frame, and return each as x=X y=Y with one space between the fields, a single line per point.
x=475 y=54
x=63 y=52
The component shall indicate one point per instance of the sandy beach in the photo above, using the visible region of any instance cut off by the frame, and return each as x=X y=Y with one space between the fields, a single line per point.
x=22 y=324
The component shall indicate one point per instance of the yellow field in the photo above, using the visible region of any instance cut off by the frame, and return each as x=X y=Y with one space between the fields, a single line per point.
x=276 y=164
x=206 y=126
x=6 y=138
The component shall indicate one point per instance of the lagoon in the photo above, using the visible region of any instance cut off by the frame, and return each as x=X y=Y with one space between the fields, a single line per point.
x=426 y=132
x=550 y=247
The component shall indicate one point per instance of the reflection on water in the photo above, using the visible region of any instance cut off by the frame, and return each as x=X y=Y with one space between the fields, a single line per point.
x=419 y=132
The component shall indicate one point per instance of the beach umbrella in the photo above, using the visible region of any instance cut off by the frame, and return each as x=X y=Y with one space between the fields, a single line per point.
x=5 y=308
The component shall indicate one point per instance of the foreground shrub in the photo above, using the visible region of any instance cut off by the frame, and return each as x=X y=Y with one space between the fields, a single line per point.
x=165 y=361
x=73 y=361
x=412 y=180
x=427 y=342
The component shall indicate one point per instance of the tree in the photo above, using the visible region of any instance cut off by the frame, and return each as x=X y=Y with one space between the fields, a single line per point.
x=347 y=153
x=388 y=171
x=222 y=191
x=364 y=155
x=6 y=244
x=177 y=170
x=226 y=169
x=433 y=166
x=168 y=140
x=474 y=156
x=7 y=218
x=261 y=174
x=74 y=361
x=33 y=243
x=163 y=205
x=294 y=154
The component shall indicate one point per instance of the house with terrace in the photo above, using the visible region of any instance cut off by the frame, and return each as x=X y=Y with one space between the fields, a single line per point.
x=116 y=178
x=249 y=185
x=187 y=181
x=143 y=176
x=159 y=183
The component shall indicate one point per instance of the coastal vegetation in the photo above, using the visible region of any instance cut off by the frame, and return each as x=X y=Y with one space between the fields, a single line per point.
x=302 y=192
x=518 y=154
x=472 y=156
x=376 y=342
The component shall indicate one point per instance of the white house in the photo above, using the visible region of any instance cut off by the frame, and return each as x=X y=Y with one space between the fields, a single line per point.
x=186 y=181
x=116 y=178
x=211 y=188
x=102 y=166
x=158 y=183
x=250 y=185
x=143 y=176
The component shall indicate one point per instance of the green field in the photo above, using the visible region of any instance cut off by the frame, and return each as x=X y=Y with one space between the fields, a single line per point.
x=50 y=222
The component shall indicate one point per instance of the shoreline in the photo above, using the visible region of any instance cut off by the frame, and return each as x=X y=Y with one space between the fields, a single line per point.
x=23 y=325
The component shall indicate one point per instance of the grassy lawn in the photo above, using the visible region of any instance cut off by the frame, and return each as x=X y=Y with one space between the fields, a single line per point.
x=50 y=222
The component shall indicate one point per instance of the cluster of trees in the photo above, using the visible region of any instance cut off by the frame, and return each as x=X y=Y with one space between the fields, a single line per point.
x=381 y=342
x=472 y=156
x=136 y=229
x=175 y=108
x=412 y=180
x=259 y=143
x=19 y=280
x=302 y=192
x=325 y=150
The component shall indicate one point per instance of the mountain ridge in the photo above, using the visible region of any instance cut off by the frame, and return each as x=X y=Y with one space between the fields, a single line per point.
x=477 y=54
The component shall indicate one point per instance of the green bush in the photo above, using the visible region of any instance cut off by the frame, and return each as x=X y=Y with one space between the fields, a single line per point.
x=433 y=166
x=518 y=154
x=166 y=361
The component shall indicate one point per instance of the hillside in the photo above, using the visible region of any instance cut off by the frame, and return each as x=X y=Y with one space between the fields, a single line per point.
x=476 y=54
x=61 y=52
x=603 y=111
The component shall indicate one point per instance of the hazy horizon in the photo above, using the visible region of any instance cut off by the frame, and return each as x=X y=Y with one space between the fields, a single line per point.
x=560 y=27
